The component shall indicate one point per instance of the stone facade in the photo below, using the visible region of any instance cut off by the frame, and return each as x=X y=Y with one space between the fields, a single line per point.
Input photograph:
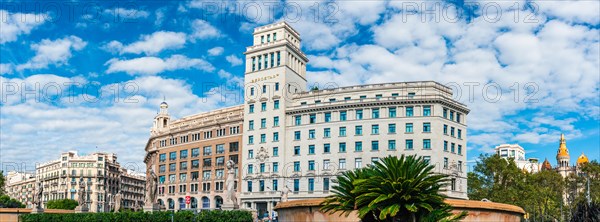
x=192 y=153
x=21 y=186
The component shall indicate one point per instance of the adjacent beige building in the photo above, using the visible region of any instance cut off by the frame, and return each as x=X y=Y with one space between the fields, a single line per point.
x=192 y=153
x=101 y=173
x=20 y=186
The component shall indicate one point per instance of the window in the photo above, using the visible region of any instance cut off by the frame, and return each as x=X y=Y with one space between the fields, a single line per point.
x=250 y=139
x=426 y=110
x=359 y=114
x=263 y=106
x=251 y=125
x=297 y=120
x=347 y=98
x=311 y=149
x=277 y=89
x=427 y=159
x=458 y=117
x=311 y=165
x=409 y=144
x=276 y=121
x=363 y=97
x=451 y=115
x=342 y=147
x=262 y=167
x=172 y=155
x=446 y=146
x=445 y=162
x=409 y=127
x=411 y=95
x=220 y=148
x=392 y=112
x=311 y=184
x=375 y=113
x=375 y=145
x=311 y=134
x=358 y=130
x=263 y=123
x=326 y=164
x=183 y=166
x=275 y=167
x=395 y=94
x=276 y=103
x=445 y=113
x=326 y=148
x=296 y=185
x=392 y=128
x=253 y=64
x=459 y=133
x=251 y=108
x=275 y=185
x=250 y=154
x=183 y=154
x=452 y=147
x=378 y=96
x=296 y=150
x=358 y=146
x=358 y=163
x=312 y=118
x=452 y=131
x=342 y=164
x=327 y=132
x=445 y=129
x=296 y=135
x=264 y=89
x=250 y=169
x=263 y=138
x=325 y=184
x=460 y=166
x=409 y=111
x=427 y=144
x=327 y=117
x=275 y=136
x=375 y=129
x=262 y=39
x=278 y=58
x=460 y=149
x=391 y=144
x=195 y=152
x=343 y=115
x=249 y=186
x=195 y=164
x=275 y=151
x=426 y=127
x=296 y=166
x=161 y=169
x=453 y=184
x=343 y=131
x=162 y=157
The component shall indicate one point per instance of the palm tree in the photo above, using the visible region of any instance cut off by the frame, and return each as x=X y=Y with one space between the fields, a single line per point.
x=392 y=189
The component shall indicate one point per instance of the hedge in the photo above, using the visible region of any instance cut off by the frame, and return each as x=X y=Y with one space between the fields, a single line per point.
x=202 y=216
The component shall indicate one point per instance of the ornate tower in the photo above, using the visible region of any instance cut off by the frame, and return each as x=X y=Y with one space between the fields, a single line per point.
x=563 y=158
x=162 y=119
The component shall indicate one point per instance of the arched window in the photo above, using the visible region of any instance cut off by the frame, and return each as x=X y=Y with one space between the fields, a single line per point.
x=218 y=201
x=205 y=203
x=171 y=204
x=194 y=203
x=181 y=202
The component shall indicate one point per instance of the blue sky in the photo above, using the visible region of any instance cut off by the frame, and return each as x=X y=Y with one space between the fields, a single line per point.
x=56 y=57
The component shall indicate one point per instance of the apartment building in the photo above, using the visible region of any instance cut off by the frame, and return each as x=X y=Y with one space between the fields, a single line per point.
x=21 y=186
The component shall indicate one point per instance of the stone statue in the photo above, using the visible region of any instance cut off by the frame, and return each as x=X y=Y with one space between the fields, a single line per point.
x=38 y=196
x=117 y=198
x=81 y=193
x=230 y=183
x=151 y=182
x=284 y=193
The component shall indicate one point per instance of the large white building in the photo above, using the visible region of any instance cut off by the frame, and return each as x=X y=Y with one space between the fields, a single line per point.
x=517 y=153
x=302 y=139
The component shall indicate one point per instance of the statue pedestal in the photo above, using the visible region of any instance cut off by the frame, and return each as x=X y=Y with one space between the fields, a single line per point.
x=229 y=206
x=151 y=208
x=37 y=210
x=81 y=209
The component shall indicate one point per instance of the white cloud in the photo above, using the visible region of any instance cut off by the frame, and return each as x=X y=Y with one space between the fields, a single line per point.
x=57 y=52
x=127 y=14
x=203 y=30
x=234 y=60
x=6 y=68
x=15 y=24
x=150 y=44
x=216 y=51
x=154 y=65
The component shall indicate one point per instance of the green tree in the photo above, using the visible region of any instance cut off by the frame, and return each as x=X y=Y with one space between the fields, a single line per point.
x=2 y=182
x=392 y=189
x=7 y=202
x=65 y=204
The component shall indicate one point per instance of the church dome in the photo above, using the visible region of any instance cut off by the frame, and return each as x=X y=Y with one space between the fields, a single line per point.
x=582 y=159
x=562 y=149
x=164 y=105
